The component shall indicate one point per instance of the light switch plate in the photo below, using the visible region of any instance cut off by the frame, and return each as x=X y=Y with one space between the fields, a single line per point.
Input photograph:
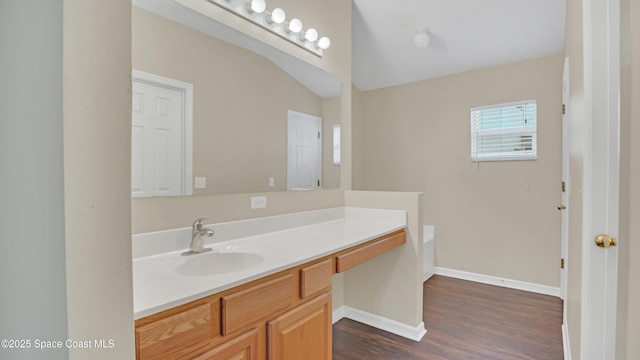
x=201 y=182
x=258 y=202
x=272 y=181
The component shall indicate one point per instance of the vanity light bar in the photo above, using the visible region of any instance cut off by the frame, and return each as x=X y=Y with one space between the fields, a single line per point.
x=275 y=21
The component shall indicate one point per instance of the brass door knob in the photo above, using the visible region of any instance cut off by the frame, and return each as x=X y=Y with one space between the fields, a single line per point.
x=605 y=241
x=561 y=207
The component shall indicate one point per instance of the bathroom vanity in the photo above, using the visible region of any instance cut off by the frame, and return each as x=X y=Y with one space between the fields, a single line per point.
x=276 y=304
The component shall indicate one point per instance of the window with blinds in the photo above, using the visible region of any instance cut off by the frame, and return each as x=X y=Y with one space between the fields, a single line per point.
x=504 y=132
x=336 y=144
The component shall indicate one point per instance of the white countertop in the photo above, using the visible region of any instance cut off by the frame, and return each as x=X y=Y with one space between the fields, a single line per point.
x=310 y=235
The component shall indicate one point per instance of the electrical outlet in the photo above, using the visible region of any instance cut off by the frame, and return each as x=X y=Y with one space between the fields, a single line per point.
x=201 y=182
x=272 y=181
x=258 y=202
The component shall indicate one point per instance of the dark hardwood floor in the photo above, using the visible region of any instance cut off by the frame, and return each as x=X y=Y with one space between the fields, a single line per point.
x=464 y=320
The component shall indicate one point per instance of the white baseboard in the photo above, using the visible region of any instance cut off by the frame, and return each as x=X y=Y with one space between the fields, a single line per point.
x=565 y=342
x=426 y=276
x=337 y=314
x=379 y=322
x=492 y=280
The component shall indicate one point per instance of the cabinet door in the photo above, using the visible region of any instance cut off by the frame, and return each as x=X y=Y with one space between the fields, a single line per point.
x=303 y=333
x=244 y=347
x=174 y=336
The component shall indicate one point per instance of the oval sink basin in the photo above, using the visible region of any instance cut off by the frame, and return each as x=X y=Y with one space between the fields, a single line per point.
x=218 y=263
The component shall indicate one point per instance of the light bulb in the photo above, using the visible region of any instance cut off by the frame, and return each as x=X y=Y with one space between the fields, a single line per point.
x=310 y=35
x=323 y=43
x=257 y=6
x=277 y=16
x=295 y=26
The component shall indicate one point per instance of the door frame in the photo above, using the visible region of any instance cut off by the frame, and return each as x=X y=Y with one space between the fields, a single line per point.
x=566 y=181
x=601 y=31
x=186 y=90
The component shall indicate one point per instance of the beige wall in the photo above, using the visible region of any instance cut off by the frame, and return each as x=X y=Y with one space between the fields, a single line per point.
x=240 y=102
x=626 y=73
x=97 y=175
x=155 y=214
x=389 y=285
x=633 y=249
x=356 y=140
x=331 y=18
x=497 y=218
x=628 y=326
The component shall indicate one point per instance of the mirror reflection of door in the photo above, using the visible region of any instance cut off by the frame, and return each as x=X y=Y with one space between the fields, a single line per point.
x=158 y=158
x=304 y=151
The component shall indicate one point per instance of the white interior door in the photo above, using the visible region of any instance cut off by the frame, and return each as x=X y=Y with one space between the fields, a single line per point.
x=304 y=151
x=601 y=177
x=157 y=132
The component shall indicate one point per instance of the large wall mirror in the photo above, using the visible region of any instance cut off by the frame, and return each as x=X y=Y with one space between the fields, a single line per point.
x=241 y=101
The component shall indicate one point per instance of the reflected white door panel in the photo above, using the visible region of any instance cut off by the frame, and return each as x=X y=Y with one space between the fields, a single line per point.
x=304 y=151
x=157 y=131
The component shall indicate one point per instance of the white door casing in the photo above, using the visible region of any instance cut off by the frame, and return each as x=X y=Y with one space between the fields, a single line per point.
x=601 y=22
x=162 y=136
x=304 y=151
x=566 y=181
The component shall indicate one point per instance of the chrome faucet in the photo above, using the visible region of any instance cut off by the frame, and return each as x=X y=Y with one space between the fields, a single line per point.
x=197 y=238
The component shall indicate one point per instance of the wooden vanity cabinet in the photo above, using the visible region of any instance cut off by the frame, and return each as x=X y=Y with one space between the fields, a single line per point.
x=283 y=316
x=232 y=325
x=243 y=347
x=302 y=333
x=174 y=335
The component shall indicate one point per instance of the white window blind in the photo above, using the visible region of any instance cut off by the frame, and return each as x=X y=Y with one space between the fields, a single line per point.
x=504 y=132
x=336 y=144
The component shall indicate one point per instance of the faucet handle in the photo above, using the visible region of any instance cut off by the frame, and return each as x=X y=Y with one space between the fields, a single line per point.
x=197 y=225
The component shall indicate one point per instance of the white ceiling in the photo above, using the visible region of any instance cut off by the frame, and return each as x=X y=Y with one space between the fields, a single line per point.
x=465 y=35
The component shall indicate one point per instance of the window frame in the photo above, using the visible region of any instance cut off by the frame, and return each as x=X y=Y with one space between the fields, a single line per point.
x=530 y=131
x=337 y=147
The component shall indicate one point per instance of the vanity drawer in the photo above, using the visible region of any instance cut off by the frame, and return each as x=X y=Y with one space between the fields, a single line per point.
x=351 y=258
x=175 y=336
x=315 y=278
x=256 y=303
